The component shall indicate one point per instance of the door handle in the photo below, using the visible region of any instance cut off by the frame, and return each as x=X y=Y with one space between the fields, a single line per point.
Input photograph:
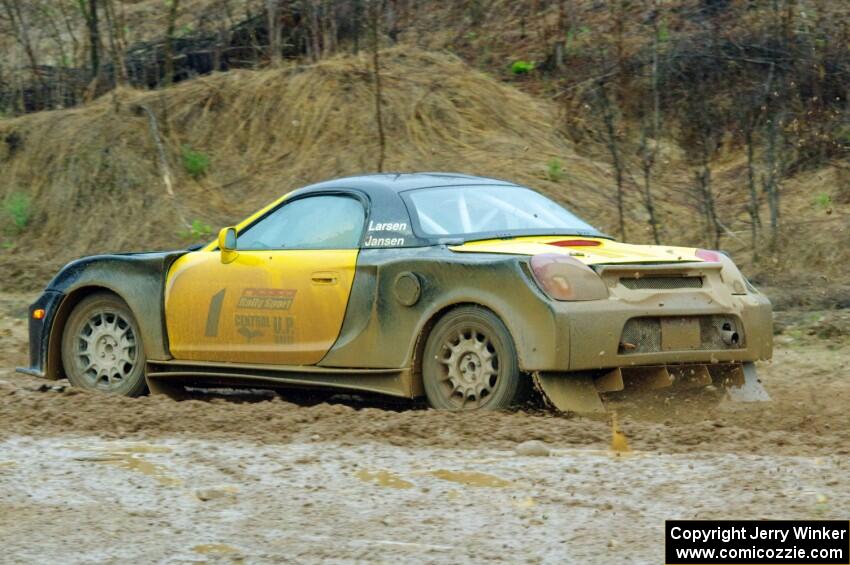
x=325 y=277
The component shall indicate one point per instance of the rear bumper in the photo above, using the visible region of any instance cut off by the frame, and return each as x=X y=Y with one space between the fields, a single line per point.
x=39 y=333
x=595 y=329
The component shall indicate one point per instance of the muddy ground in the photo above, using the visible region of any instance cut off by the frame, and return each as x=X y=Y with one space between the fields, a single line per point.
x=260 y=478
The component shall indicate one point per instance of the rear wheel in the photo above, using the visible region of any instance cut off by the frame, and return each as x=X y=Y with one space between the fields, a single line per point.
x=470 y=362
x=102 y=347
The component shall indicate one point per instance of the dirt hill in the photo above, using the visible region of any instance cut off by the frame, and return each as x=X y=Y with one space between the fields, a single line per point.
x=90 y=179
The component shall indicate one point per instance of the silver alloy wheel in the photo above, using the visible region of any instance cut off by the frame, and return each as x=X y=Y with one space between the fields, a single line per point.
x=106 y=351
x=470 y=368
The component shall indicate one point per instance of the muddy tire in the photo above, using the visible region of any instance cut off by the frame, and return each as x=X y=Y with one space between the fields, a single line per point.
x=470 y=362
x=102 y=347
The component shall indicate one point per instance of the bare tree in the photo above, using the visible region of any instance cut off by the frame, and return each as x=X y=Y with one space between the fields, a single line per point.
x=561 y=33
x=753 y=205
x=648 y=151
x=117 y=41
x=357 y=22
x=273 y=19
x=773 y=173
x=374 y=32
x=751 y=122
x=649 y=148
x=173 y=11
x=706 y=204
x=20 y=22
x=70 y=29
x=612 y=143
x=47 y=15
x=88 y=8
x=309 y=13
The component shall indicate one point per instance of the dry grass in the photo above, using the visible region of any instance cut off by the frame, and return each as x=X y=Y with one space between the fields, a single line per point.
x=95 y=185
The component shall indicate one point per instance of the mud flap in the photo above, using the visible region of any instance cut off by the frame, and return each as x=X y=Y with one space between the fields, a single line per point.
x=169 y=389
x=749 y=388
x=569 y=393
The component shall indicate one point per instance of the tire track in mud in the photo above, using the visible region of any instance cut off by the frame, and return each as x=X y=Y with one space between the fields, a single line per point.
x=809 y=383
x=807 y=416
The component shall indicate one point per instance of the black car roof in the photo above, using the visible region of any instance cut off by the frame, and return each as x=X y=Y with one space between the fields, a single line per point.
x=400 y=182
x=388 y=208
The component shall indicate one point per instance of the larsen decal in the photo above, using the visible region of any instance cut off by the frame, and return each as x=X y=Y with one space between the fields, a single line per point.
x=387 y=226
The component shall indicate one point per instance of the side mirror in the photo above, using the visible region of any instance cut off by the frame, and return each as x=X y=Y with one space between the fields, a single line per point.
x=227 y=244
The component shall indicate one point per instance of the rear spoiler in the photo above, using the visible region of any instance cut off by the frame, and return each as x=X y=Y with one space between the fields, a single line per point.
x=649 y=269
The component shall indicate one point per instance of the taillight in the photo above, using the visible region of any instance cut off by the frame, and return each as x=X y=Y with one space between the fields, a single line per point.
x=565 y=278
x=576 y=243
x=729 y=274
x=708 y=256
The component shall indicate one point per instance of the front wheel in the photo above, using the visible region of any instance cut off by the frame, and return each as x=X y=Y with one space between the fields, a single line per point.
x=102 y=347
x=470 y=362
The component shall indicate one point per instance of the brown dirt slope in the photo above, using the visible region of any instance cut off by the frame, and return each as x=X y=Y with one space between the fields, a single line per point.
x=90 y=179
x=94 y=183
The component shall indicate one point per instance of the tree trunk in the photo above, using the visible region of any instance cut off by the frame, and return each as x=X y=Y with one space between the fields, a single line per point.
x=648 y=161
x=357 y=17
x=90 y=12
x=169 y=42
x=70 y=29
x=771 y=181
x=273 y=18
x=117 y=46
x=715 y=228
x=612 y=143
x=374 y=25
x=21 y=28
x=650 y=151
x=753 y=207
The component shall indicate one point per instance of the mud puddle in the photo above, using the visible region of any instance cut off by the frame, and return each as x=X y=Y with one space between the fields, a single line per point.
x=242 y=502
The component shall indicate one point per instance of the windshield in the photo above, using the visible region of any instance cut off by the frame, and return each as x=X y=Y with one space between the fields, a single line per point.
x=469 y=210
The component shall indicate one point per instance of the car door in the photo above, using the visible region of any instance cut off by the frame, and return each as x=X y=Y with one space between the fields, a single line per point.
x=282 y=299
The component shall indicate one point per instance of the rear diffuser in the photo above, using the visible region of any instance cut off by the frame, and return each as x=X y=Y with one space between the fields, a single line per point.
x=580 y=392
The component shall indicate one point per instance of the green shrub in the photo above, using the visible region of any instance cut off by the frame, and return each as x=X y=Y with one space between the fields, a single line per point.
x=183 y=31
x=196 y=163
x=663 y=32
x=521 y=67
x=823 y=201
x=574 y=36
x=554 y=171
x=18 y=211
x=197 y=231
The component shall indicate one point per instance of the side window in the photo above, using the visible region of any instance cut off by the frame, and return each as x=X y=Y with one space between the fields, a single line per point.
x=314 y=222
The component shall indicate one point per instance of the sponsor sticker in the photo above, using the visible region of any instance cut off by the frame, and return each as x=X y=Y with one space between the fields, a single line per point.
x=267 y=298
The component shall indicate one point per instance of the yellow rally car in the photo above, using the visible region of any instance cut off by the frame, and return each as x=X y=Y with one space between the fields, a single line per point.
x=469 y=291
